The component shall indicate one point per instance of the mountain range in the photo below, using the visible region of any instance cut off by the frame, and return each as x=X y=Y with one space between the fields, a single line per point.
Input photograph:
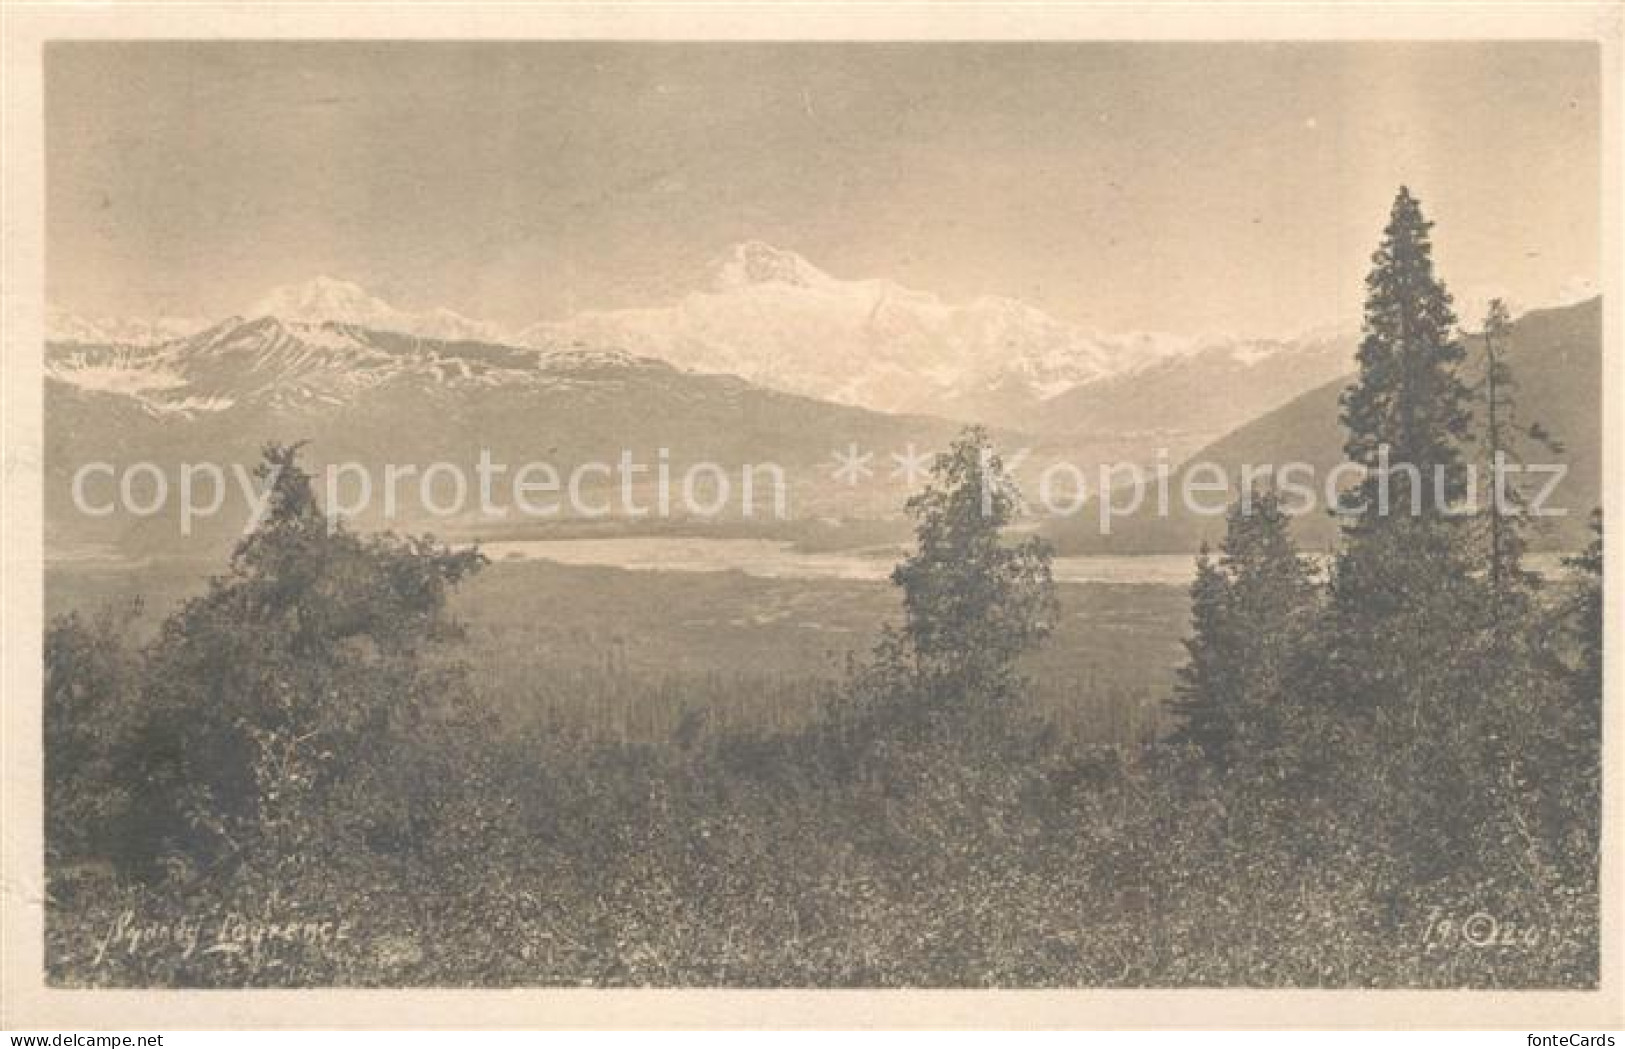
x=381 y=399
x=769 y=360
x=772 y=318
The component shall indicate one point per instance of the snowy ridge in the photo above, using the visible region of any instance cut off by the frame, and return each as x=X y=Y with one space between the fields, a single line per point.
x=765 y=315
x=64 y=327
x=294 y=365
x=771 y=317
x=325 y=299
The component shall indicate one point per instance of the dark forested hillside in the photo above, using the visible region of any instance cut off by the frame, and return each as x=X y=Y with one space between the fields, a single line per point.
x=1556 y=356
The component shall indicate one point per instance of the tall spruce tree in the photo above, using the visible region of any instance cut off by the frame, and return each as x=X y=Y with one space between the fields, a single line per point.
x=1406 y=657
x=1408 y=417
x=1249 y=612
x=1409 y=407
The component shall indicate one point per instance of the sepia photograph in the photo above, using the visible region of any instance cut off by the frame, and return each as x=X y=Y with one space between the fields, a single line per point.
x=820 y=514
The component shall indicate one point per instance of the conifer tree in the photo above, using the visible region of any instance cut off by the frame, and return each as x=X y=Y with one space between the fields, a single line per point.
x=1406 y=582
x=1206 y=694
x=1432 y=703
x=1249 y=614
x=1407 y=415
x=1409 y=397
x=1505 y=510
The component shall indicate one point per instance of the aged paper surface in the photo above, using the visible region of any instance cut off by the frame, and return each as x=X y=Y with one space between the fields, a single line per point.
x=737 y=687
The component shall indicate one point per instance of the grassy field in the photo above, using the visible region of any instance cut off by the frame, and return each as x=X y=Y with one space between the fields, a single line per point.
x=907 y=850
x=638 y=656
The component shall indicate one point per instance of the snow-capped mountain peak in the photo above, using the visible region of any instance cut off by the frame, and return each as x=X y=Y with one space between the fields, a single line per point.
x=754 y=262
x=330 y=300
x=322 y=299
x=771 y=317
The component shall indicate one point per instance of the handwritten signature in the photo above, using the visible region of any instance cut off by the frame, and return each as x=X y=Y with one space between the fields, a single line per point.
x=253 y=939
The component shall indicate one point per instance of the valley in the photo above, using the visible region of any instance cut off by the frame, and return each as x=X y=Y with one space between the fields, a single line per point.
x=622 y=655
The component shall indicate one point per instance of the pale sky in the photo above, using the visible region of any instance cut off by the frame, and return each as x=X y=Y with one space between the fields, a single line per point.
x=1193 y=188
